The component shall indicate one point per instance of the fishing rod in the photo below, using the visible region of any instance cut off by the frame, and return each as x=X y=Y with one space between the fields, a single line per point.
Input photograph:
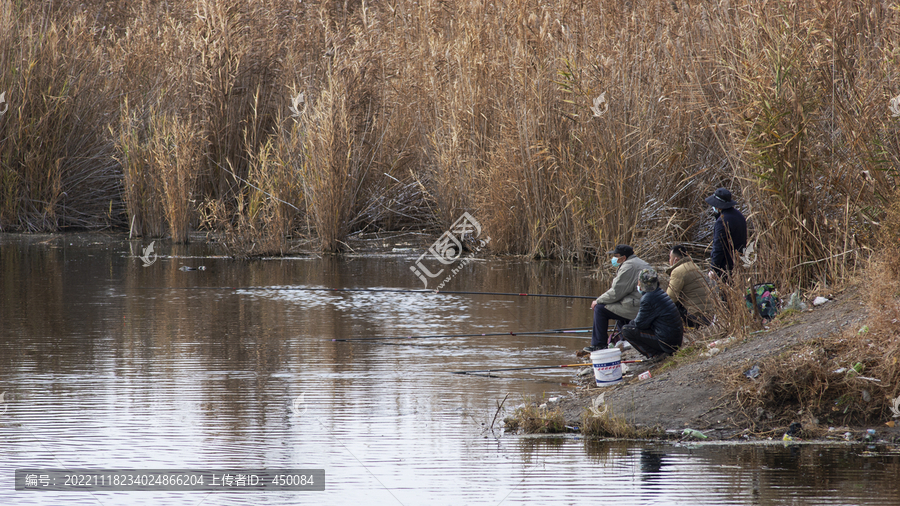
x=448 y=336
x=583 y=364
x=375 y=290
x=436 y=292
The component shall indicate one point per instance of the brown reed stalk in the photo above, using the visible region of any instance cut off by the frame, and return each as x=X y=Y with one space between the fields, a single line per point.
x=142 y=195
x=421 y=110
x=159 y=154
x=233 y=81
x=270 y=203
x=55 y=153
x=338 y=134
x=174 y=152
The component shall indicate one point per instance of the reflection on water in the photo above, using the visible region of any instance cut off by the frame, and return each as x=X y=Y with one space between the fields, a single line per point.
x=106 y=363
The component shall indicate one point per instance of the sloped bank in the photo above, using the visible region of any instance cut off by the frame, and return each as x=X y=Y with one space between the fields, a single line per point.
x=698 y=392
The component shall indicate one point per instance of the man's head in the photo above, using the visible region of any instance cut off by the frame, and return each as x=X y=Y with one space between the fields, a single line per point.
x=677 y=252
x=621 y=253
x=721 y=199
x=648 y=280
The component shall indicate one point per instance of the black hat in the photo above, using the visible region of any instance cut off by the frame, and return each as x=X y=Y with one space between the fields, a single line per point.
x=622 y=249
x=721 y=199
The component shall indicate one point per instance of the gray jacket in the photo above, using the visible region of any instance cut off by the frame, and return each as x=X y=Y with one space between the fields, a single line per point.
x=622 y=298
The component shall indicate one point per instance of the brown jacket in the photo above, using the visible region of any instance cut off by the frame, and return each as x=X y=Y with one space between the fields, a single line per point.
x=688 y=287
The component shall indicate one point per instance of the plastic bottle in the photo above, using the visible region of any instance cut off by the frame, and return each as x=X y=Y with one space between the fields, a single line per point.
x=695 y=434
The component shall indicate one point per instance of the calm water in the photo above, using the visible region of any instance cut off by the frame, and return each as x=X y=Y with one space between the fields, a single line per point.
x=109 y=364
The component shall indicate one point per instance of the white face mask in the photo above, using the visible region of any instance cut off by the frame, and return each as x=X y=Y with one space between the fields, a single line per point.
x=614 y=261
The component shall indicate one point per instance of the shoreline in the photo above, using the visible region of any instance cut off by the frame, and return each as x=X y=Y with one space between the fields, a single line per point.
x=698 y=392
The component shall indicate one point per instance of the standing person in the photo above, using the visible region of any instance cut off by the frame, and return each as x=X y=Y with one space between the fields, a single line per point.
x=689 y=289
x=621 y=301
x=657 y=330
x=729 y=233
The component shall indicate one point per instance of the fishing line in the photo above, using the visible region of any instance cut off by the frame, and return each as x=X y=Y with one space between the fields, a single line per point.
x=450 y=336
x=371 y=290
x=583 y=364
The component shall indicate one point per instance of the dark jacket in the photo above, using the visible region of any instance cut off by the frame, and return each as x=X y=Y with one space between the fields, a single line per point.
x=730 y=224
x=659 y=315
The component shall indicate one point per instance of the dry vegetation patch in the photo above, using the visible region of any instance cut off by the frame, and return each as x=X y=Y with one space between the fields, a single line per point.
x=851 y=378
x=531 y=418
x=565 y=128
x=610 y=425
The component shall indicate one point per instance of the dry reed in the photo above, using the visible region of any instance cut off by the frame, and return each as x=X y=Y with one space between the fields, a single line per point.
x=852 y=378
x=563 y=128
x=56 y=164
x=608 y=424
x=533 y=419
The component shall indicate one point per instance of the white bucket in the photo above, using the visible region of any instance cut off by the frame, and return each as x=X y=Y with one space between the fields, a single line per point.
x=607 y=366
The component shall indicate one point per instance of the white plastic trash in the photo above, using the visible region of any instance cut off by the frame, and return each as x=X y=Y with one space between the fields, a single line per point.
x=607 y=366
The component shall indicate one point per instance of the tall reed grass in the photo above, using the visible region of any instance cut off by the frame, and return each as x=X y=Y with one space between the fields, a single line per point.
x=159 y=158
x=564 y=128
x=56 y=163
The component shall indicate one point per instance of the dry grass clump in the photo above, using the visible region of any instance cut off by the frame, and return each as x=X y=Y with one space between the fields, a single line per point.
x=881 y=278
x=842 y=381
x=811 y=202
x=686 y=354
x=534 y=419
x=337 y=153
x=56 y=165
x=609 y=425
x=850 y=379
x=263 y=214
x=158 y=156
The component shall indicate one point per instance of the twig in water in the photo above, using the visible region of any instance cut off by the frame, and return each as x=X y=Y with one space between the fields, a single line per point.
x=499 y=407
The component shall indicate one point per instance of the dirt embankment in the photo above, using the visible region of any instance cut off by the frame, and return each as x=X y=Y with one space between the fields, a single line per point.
x=695 y=394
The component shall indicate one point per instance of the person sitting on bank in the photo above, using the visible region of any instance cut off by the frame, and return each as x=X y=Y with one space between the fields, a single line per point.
x=729 y=234
x=689 y=289
x=657 y=330
x=621 y=301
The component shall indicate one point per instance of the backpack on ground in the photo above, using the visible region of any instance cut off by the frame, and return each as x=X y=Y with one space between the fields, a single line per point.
x=767 y=301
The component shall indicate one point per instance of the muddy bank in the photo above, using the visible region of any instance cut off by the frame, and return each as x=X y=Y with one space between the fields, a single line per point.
x=694 y=393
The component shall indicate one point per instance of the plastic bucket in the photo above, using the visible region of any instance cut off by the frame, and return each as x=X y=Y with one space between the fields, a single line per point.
x=607 y=366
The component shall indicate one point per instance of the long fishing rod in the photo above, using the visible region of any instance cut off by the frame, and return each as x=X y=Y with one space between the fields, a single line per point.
x=584 y=364
x=436 y=292
x=448 y=336
x=374 y=290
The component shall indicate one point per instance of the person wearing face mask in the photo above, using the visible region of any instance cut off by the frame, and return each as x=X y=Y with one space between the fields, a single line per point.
x=657 y=331
x=621 y=301
x=729 y=234
x=689 y=289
